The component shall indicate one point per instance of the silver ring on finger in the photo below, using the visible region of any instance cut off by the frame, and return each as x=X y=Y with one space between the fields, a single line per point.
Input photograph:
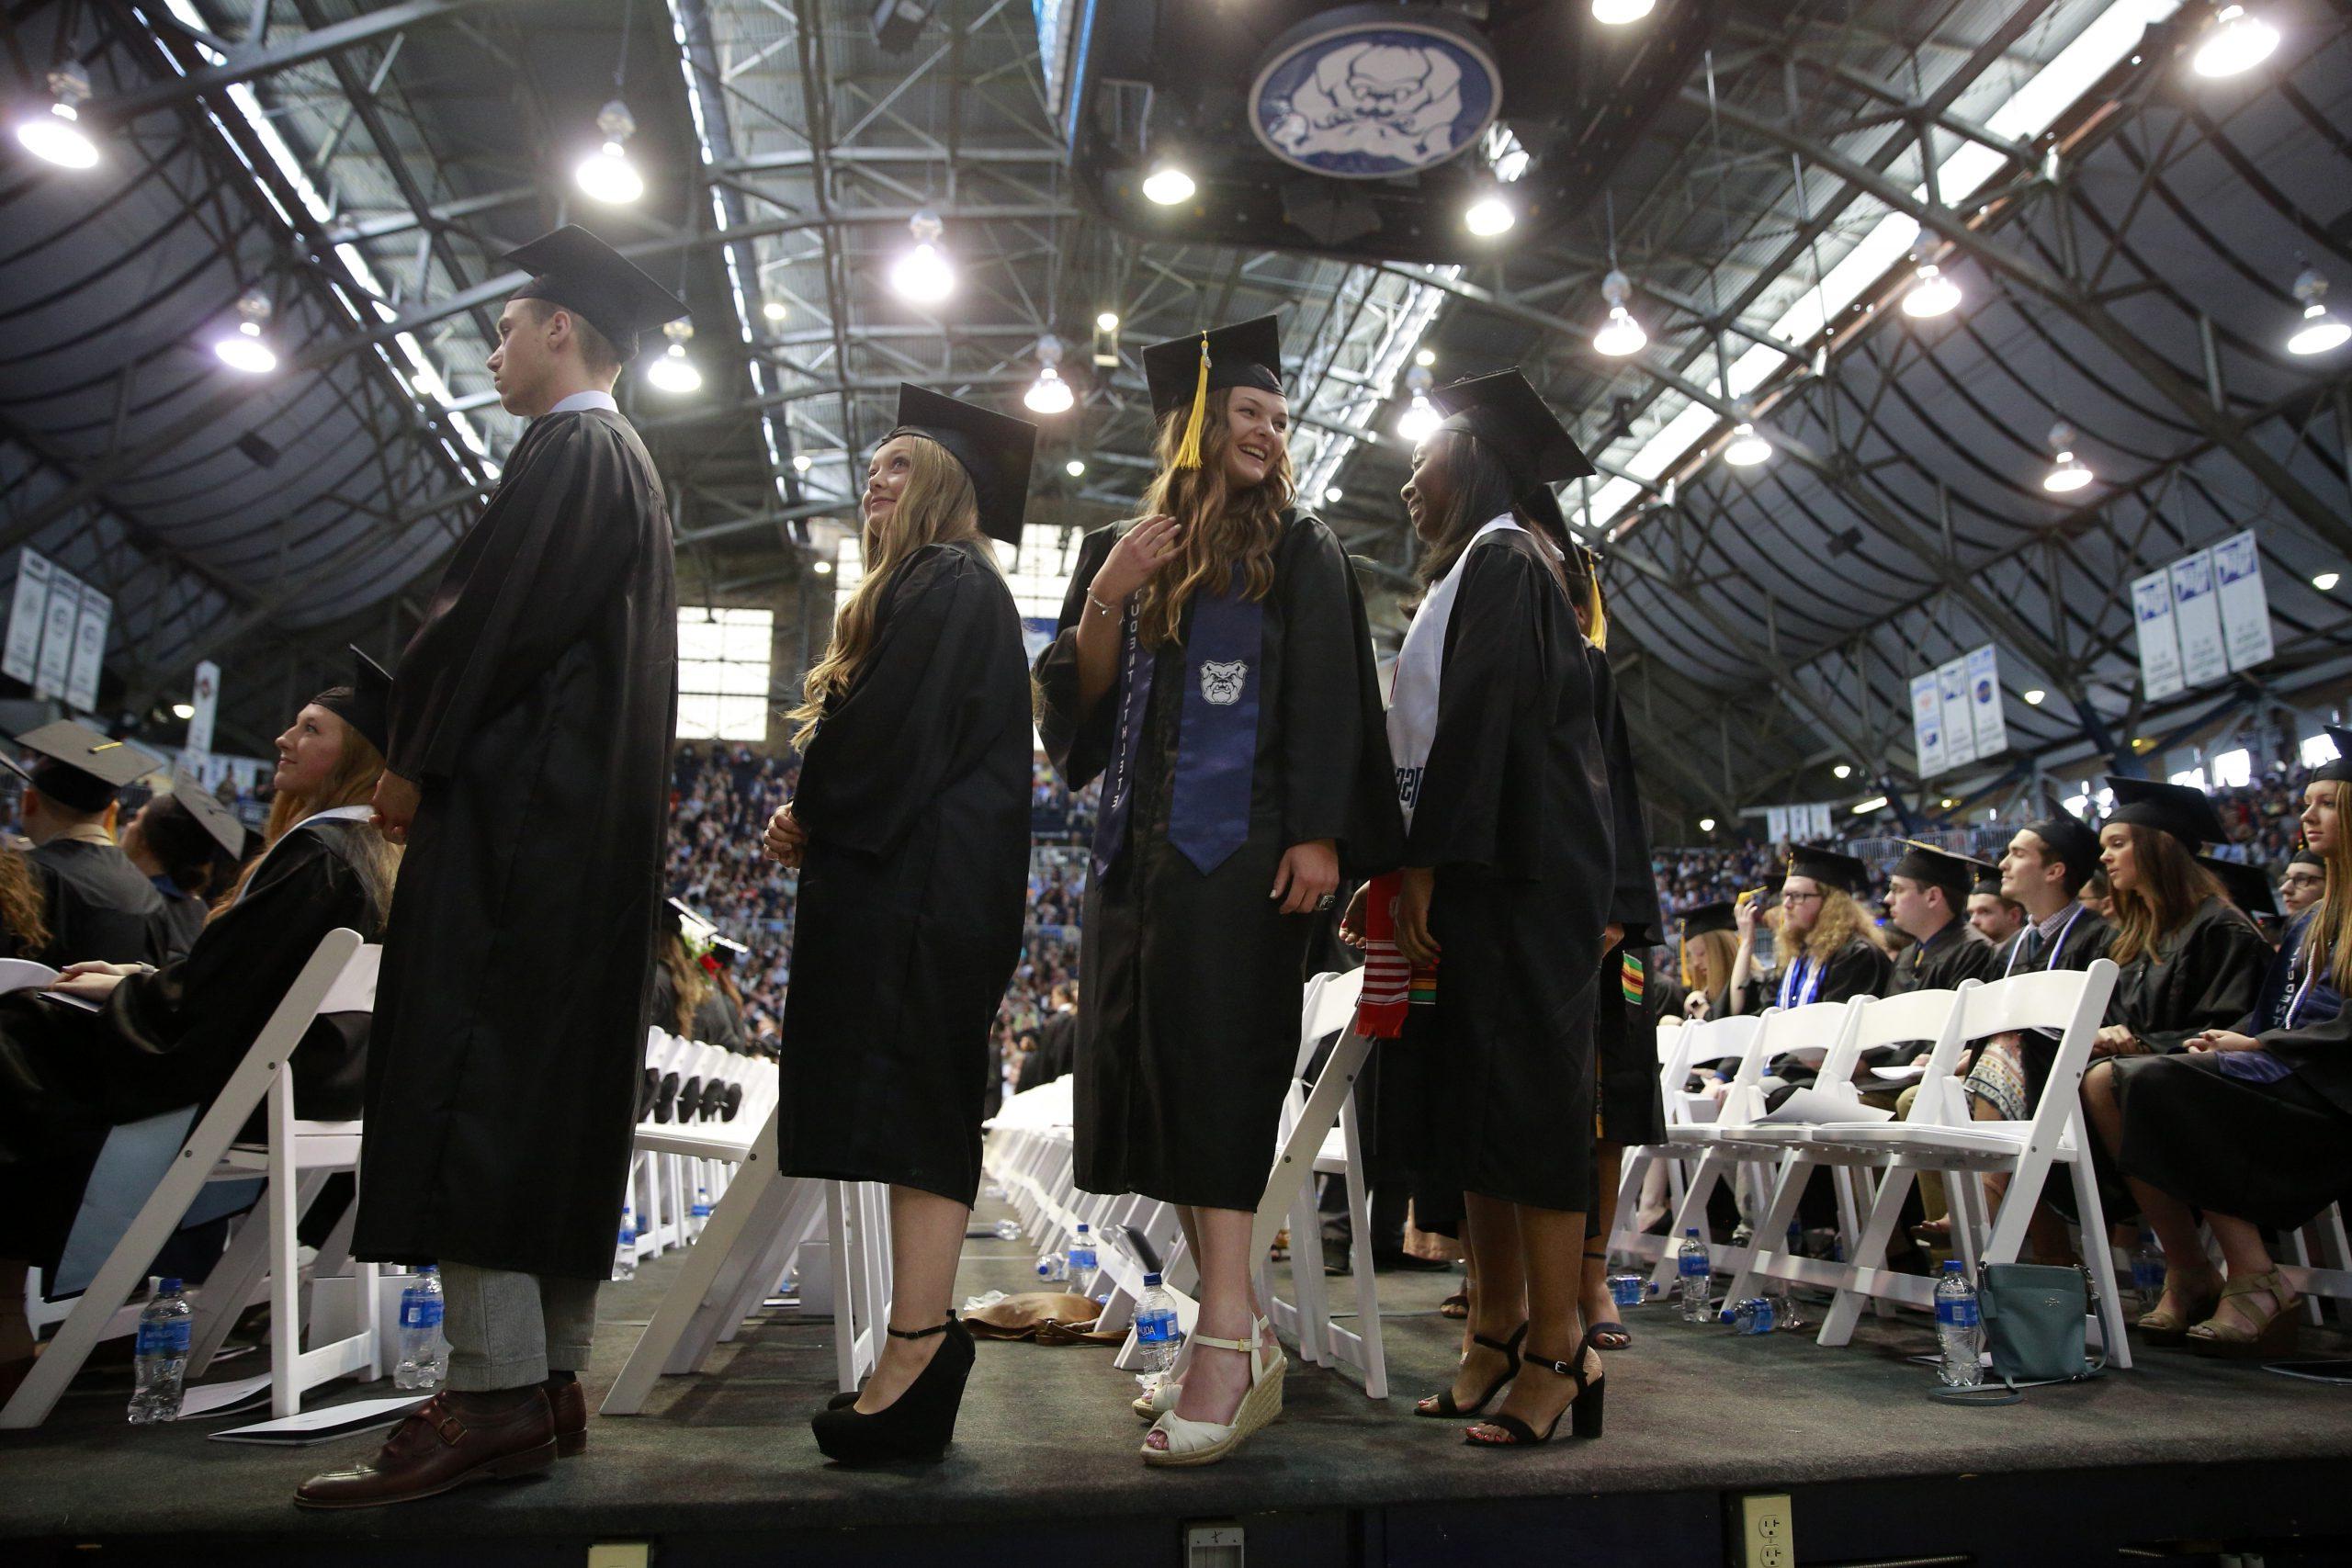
x=1327 y=901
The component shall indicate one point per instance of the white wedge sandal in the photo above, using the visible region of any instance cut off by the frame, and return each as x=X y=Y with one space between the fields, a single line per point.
x=1206 y=1443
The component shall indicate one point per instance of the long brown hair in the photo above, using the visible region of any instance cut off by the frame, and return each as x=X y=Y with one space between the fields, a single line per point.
x=24 y=907
x=2167 y=887
x=1476 y=491
x=2330 y=929
x=351 y=782
x=1222 y=528
x=686 y=988
x=937 y=505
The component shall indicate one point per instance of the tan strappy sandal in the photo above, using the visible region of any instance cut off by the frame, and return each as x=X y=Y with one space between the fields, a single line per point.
x=1206 y=1443
x=2269 y=1333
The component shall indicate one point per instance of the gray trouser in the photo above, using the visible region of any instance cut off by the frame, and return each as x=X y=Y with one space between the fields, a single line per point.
x=509 y=1330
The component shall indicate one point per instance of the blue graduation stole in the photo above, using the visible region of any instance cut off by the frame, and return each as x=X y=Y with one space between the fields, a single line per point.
x=1217 y=748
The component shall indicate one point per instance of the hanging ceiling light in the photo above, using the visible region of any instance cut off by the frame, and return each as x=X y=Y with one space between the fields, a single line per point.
x=1488 y=214
x=1049 y=394
x=1075 y=467
x=1843 y=770
x=2320 y=330
x=671 y=371
x=244 y=349
x=822 y=567
x=1333 y=494
x=1621 y=335
x=801 y=462
x=773 y=311
x=1108 y=322
x=1746 y=449
x=1420 y=417
x=923 y=275
x=2036 y=697
x=606 y=175
x=2236 y=42
x=1425 y=357
x=1706 y=824
x=2325 y=582
x=1167 y=183
x=2070 y=474
x=1930 y=294
x=57 y=137
x=1617 y=13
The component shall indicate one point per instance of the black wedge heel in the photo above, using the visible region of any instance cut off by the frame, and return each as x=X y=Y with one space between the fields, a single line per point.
x=919 y=1424
x=1441 y=1406
x=1583 y=1411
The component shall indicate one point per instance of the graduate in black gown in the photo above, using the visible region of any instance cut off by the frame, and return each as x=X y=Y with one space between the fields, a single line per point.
x=2188 y=960
x=101 y=906
x=1828 y=950
x=533 y=717
x=1213 y=666
x=1707 y=944
x=1996 y=917
x=2251 y=1124
x=163 y=1038
x=2303 y=883
x=911 y=830
x=1509 y=883
x=182 y=843
x=1927 y=898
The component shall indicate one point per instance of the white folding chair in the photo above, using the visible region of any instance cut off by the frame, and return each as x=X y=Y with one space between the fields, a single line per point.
x=1680 y=1049
x=339 y=978
x=1940 y=1136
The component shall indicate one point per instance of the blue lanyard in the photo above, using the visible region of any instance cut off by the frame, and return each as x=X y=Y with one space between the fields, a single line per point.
x=2057 y=945
x=1802 y=994
x=2311 y=974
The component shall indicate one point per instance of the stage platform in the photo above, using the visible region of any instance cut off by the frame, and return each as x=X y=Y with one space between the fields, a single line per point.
x=721 y=1469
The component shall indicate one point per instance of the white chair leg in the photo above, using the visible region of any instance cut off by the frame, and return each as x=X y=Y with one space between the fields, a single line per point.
x=1846 y=1306
x=2108 y=1308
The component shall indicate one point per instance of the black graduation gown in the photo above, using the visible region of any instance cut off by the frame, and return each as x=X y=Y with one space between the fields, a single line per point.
x=914 y=794
x=178 y=921
x=2203 y=975
x=1624 y=1034
x=2079 y=946
x=1959 y=952
x=1514 y=816
x=171 y=1038
x=535 y=709
x=1188 y=1033
x=101 y=906
x=1860 y=968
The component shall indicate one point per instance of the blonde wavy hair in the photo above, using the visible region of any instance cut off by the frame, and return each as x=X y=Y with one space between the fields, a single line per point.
x=2333 y=922
x=1840 y=921
x=936 y=506
x=1720 y=950
x=1222 y=528
x=351 y=782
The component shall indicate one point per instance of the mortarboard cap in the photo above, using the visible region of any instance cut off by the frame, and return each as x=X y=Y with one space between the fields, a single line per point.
x=577 y=271
x=2248 y=886
x=1505 y=413
x=2073 y=843
x=2340 y=768
x=2183 y=810
x=1183 y=371
x=1829 y=868
x=214 y=817
x=2306 y=856
x=79 y=768
x=1708 y=917
x=366 y=704
x=1988 y=880
x=1933 y=867
x=994 y=449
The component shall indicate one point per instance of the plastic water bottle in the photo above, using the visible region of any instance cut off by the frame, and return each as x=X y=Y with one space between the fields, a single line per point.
x=1692 y=1268
x=2148 y=1271
x=1753 y=1315
x=164 y=1328
x=1006 y=1230
x=1957 y=1335
x=425 y=1355
x=1157 y=1335
x=625 y=1252
x=1053 y=1267
x=1627 y=1290
x=698 y=1215
x=1081 y=1252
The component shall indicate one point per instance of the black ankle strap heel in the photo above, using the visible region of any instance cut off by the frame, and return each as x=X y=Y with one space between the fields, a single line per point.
x=920 y=1423
x=1583 y=1412
x=1441 y=1406
x=923 y=1333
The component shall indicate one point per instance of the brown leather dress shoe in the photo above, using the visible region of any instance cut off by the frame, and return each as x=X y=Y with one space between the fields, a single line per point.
x=453 y=1438
x=569 y=1403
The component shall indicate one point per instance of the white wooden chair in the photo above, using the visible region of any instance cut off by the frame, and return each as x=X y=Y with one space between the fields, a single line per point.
x=2330 y=1277
x=1943 y=1138
x=1680 y=1049
x=339 y=978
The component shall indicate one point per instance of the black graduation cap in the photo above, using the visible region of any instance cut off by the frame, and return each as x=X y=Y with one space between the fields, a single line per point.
x=205 y=806
x=577 y=271
x=1988 y=880
x=1506 y=413
x=2073 y=841
x=2306 y=856
x=1708 y=917
x=367 y=704
x=2340 y=770
x=680 y=920
x=1183 y=371
x=994 y=449
x=2183 y=810
x=1829 y=868
x=2248 y=886
x=1939 y=868
x=77 y=767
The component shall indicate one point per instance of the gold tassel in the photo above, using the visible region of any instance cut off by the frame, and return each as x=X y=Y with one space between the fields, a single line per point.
x=1188 y=451
x=1594 y=610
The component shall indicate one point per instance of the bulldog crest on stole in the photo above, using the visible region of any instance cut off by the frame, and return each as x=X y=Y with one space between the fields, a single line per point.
x=1221 y=680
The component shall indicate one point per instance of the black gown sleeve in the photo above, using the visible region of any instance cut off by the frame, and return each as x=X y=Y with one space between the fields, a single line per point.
x=2220 y=962
x=1077 y=744
x=1322 y=707
x=1860 y=968
x=182 y=1029
x=523 y=587
x=1494 y=703
x=2319 y=1053
x=880 y=757
x=1633 y=902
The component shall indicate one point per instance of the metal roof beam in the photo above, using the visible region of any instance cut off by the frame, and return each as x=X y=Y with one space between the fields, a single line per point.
x=250 y=64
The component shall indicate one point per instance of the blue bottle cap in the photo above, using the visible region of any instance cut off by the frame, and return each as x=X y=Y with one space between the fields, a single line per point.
x=1952 y=1265
x=1081 y=1228
x=1150 y=1282
x=169 y=1285
x=424 y=1268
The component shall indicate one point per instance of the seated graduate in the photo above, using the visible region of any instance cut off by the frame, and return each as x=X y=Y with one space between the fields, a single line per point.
x=1926 y=897
x=1709 y=946
x=1827 y=949
x=1996 y=917
x=2190 y=961
x=2248 y=888
x=111 y=1044
x=2303 y=884
x=188 y=845
x=2251 y=1126
x=101 y=906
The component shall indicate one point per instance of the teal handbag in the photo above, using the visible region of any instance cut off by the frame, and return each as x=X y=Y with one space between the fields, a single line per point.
x=2033 y=1315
